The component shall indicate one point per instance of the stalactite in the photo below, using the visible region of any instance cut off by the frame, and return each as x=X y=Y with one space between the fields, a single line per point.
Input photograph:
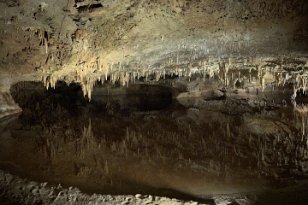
x=46 y=46
x=225 y=69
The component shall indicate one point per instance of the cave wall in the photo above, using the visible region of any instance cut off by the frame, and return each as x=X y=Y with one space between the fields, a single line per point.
x=122 y=41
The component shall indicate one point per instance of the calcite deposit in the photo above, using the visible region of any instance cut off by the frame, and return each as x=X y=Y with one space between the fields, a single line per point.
x=250 y=42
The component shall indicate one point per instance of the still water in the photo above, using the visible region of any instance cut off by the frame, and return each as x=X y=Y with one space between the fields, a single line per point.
x=149 y=144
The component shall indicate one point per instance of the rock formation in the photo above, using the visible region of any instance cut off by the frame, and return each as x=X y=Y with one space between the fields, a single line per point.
x=85 y=41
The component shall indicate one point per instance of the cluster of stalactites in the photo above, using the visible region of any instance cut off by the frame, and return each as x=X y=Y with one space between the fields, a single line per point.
x=229 y=72
x=49 y=81
x=89 y=80
x=41 y=35
x=277 y=77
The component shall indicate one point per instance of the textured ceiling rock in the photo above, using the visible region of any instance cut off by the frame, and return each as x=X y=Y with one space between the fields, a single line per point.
x=260 y=42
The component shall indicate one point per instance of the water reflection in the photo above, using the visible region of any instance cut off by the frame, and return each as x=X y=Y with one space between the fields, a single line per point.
x=193 y=151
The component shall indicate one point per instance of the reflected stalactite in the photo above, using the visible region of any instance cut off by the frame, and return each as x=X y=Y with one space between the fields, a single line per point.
x=226 y=147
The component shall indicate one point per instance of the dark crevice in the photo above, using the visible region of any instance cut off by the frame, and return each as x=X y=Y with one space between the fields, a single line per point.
x=89 y=8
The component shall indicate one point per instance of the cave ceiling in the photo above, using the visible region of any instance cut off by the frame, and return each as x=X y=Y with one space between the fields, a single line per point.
x=84 y=41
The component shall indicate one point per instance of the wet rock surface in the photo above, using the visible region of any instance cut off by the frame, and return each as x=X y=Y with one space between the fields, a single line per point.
x=14 y=190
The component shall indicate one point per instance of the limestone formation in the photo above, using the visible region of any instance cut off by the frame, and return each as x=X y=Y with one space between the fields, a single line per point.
x=90 y=41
